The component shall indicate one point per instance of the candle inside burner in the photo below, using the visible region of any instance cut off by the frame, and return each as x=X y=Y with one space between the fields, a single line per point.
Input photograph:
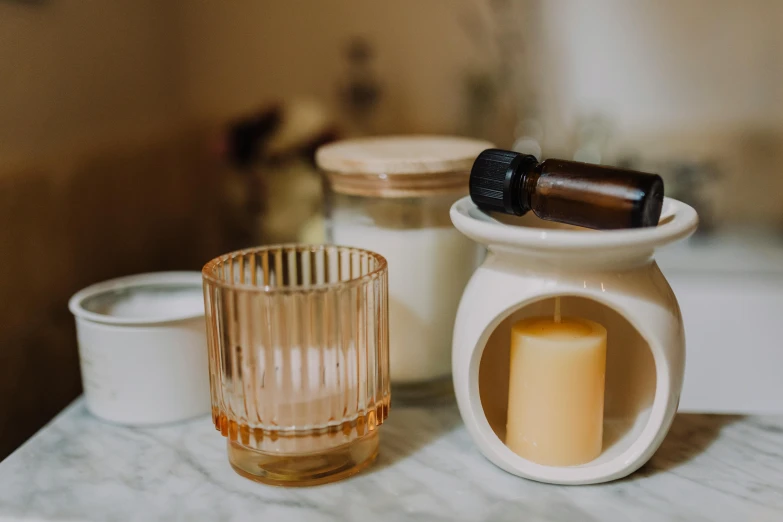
x=556 y=390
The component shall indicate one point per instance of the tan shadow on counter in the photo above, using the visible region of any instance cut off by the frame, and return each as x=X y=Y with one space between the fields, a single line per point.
x=399 y=441
x=690 y=435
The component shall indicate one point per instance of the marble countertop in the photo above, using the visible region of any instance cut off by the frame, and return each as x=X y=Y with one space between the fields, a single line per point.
x=78 y=468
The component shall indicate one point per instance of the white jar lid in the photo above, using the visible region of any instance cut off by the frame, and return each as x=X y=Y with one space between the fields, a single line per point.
x=400 y=166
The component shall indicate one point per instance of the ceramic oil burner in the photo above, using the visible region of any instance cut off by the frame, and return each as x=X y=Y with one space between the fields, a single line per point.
x=608 y=277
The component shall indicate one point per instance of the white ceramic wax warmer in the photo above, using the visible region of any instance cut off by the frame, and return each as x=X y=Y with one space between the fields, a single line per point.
x=608 y=277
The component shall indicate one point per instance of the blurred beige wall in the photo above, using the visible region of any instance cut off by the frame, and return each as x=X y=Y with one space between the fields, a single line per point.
x=666 y=73
x=85 y=72
x=694 y=79
x=78 y=74
x=248 y=51
x=666 y=65
x=101 y=175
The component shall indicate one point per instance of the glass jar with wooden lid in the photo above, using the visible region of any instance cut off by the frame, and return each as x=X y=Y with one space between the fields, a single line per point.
x=392 y=195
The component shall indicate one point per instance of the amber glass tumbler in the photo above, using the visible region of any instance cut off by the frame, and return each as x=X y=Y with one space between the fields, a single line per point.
x=298 y=359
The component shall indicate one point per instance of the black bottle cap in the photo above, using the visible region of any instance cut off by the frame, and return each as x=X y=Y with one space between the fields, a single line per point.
x=495 y=181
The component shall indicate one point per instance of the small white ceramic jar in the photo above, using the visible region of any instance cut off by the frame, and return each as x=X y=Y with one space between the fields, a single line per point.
x=392 y=195
x=142 y=348
x=608 y=277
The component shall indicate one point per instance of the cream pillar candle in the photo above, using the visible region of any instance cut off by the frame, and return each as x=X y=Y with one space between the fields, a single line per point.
x=556 y=390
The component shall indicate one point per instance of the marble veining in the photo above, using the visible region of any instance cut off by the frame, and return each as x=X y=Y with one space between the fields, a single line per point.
x=710 y=468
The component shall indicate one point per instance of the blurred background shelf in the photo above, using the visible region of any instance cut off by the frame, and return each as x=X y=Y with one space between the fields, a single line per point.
x=730 y=288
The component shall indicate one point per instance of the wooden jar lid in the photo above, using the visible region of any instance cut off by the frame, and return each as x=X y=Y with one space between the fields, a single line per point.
x=400 y=166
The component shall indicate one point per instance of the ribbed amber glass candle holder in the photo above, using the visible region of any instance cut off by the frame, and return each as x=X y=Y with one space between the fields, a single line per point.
x=298 y=359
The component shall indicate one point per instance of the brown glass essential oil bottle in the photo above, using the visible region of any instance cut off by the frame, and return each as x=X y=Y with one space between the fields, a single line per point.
x=581 y=194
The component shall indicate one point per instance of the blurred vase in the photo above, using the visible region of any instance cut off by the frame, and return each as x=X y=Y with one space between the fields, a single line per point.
x=274 y=191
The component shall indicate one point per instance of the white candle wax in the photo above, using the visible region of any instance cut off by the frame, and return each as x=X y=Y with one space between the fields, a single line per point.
x=428 y=270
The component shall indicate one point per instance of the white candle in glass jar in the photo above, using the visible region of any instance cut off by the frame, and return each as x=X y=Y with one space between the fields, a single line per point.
x=428 y=270
x=392 y=195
